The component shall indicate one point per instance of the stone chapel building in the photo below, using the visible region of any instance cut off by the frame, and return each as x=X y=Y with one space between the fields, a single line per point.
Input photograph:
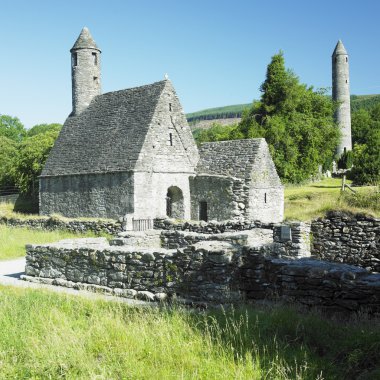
x=131 y=154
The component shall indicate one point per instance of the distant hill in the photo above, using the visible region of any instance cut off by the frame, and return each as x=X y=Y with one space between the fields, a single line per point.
x=235 y=111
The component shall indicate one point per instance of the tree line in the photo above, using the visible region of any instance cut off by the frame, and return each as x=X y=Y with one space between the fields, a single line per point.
x=23 y=153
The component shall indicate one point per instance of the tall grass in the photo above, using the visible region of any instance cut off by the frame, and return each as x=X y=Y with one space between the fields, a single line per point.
x=310 y=201
x=14 y=239
x=49 y=336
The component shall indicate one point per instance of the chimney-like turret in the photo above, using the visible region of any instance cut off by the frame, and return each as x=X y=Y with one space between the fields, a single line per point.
x=85 y=71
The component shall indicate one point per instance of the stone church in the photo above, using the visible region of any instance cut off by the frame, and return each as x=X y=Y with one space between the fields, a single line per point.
x=131 y=154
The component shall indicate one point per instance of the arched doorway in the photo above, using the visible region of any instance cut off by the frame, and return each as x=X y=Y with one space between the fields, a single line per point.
x=174 y=203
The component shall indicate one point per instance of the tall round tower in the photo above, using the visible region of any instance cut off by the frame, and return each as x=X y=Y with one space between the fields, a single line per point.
x=341 y=94
x=85 y=71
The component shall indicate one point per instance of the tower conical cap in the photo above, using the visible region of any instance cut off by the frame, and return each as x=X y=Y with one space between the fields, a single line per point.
x=85 y=41
x=340 y=49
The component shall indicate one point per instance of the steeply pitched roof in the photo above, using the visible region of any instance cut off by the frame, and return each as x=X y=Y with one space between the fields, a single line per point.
x=340 y=49
x=108 y=135
x=85 y=41
x=239 y=158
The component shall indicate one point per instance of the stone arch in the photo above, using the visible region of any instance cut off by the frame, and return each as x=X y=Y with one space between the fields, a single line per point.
x=174 y=203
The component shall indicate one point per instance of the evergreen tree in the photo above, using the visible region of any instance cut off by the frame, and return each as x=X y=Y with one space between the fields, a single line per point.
x=296 y=122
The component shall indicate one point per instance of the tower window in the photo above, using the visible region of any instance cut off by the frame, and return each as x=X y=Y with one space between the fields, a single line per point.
x=95 y=79
x=346 y=59
x=170 y=107
x=75 y=59
x=95 y=58
x=171 y=139
x=265 y=197
x=346 y=81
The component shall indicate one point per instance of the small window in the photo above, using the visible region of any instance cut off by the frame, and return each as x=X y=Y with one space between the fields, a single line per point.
x=170 y=107
x=95 y=58
x=265 y=197
x=346 y=81
x=75 y=59
x=346 y=59
x=171 y=139
x=96 y=79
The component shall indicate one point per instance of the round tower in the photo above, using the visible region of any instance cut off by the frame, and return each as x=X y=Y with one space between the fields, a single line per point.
x=85 y=71
x=341 y=94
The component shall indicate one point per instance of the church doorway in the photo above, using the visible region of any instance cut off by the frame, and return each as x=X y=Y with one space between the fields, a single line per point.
x=174 y=203
x=203 y=211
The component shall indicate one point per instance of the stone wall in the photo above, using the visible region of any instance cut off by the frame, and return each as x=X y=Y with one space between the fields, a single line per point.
x=226 y=197
x=347 y=238
x=77 y=226
x=329 y=286
x=211 y=271
x=109 y=195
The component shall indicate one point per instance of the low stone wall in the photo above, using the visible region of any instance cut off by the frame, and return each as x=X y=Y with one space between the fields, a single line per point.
x=76 y=226
x=328 y=286
x=209 y=227
x=347 y=238
x=199 y=272
x=211 y=271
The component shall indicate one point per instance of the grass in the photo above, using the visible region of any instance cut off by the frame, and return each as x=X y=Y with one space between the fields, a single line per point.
x=49 y=336
x=313 y=200
x=13 y=239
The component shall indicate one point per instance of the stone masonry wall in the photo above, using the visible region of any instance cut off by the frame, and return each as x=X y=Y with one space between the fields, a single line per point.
x=92 y=195
x=226 y=197
x=208 y=271
x=347 y=238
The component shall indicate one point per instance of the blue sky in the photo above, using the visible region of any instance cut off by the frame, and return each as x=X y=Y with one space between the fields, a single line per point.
x=215 y=52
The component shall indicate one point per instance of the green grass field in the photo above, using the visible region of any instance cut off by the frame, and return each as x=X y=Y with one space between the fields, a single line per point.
x=13 y=239
x=48 y=336
x=310 y=201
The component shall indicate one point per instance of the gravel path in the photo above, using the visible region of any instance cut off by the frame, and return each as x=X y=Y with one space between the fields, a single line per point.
x=11 y=270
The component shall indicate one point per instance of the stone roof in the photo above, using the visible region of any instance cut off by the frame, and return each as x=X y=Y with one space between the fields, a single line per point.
x=239 y=158
x=108 y=135
x=85 y=41
x=340 y=49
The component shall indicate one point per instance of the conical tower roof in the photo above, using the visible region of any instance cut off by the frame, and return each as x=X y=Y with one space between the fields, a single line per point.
x=85 y=41
x=340 y=49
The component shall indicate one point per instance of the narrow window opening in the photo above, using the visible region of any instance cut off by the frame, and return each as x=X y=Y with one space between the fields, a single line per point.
x=346 y=81
x=346 y=59
x=265 y=197
x=75 y=59
x=95 y=58
x=171 y=139
x=203 y=211
x=96 y=80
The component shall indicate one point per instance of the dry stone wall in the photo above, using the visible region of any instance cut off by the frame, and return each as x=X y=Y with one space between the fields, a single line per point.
x=347 y=238
x=211 y=271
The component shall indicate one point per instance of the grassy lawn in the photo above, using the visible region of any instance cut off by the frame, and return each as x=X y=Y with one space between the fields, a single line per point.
x=48 y=336
x=306 y=202
x=13 y=239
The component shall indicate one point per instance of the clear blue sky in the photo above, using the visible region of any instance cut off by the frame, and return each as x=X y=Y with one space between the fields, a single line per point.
x=215 y=52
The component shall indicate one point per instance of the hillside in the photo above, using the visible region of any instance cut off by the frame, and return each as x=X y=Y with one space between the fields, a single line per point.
x=235 y=111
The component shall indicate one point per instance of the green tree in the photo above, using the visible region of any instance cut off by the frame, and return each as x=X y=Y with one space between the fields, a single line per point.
x=30 y=160
x=366 y=152
x=8 y=152
x=42 y=128
x=296 y=122
x=12 y=128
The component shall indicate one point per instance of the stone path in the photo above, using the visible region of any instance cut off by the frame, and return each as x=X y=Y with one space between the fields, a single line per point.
x=11 y=270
